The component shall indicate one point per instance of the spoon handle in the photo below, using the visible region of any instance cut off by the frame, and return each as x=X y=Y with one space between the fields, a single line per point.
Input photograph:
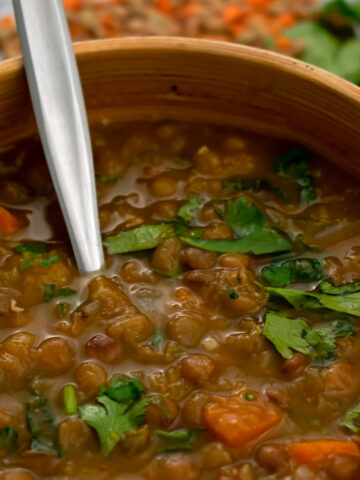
x=59 y=108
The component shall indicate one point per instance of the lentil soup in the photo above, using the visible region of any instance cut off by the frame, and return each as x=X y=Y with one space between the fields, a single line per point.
x=221 y=340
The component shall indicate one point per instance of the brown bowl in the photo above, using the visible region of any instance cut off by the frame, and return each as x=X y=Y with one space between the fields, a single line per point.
x=150 y=78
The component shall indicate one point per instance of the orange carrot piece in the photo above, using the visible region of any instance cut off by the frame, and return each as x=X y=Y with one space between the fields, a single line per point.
x=8 y=223
x=316 y=452
x=237 y=421
x=164 y=6
x=283 y=42
x=233 y=13
x=73 y=4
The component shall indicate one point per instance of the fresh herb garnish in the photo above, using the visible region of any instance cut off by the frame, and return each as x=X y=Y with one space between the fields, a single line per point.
x=113 y=417
x=348 y=303
x=290 y=334
x=250 y=227
x=47 y=262
x=39 y=249
x=233 y=294
x=122 y=389
x=70 y=400
x=106 y=179
x=352 y=419
x=239 y=185
x=51 y=292
x=176 y=440
x=294 y=270
x=41 y=425
x=8 y=438
x=140 y=238
x=158 y=337
x=62 y=309
x=294 y=164
x=188 y=211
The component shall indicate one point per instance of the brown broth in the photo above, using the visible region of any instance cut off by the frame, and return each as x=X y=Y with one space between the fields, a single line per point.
x=145 y=172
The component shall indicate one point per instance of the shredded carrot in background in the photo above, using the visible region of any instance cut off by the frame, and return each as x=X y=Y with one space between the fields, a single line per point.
x=253 y=22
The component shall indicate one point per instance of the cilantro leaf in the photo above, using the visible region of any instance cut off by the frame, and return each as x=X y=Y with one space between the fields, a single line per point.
x=187 y=211
x=327 y=287
x=122 y=390
x=261 y=241
x=47 y=262
x=239 y=185
x=112 y=419
x=288 y=334
x=140 y=238
x=344 y=303
x=348 y=10
x=176 y=440
x=30 y=248
x=249 y=224
x=158 y=337
x=294 y=270
x=295 y=165
x=352 y=419
x=8 y=438
x=50 y=292
x=40 y=423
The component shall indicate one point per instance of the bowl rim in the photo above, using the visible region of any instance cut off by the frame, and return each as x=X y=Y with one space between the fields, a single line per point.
x=214 y=48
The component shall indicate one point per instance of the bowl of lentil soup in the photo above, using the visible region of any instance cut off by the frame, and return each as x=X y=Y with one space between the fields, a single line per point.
x=221 y=341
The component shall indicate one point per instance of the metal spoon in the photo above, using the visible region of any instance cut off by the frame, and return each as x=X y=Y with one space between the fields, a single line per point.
x=59 y=107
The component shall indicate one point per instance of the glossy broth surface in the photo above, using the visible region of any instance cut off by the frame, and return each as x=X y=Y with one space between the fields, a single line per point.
x=209 y=368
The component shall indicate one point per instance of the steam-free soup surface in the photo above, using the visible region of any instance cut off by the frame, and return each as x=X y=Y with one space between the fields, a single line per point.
x=221 y=340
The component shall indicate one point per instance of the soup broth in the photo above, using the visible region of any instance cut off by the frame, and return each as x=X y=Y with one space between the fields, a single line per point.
x=221 y=340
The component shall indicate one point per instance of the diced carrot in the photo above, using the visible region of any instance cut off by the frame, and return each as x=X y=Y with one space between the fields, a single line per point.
x=73 y=4
x=286 y=20
x=236 y=421
x=8 y=223
x=108 y=20
x=233 y=13
x=164 y=6
x=189 y=10
x=316 y=452
x=283 y=42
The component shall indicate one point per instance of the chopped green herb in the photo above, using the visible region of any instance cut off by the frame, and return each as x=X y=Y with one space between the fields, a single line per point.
x=47 y=262
x=39 y=249
x=289 y=334
x=62 y=309
x=352 y=419
x=344 y=303
x=328 y=288
x=295 y=164
x=65 y=292
x=50 y=292
x=188 y=211
x=286 y=334
x=106 y=179
x=112 y=419
x=294 y=270
x=40 y=423
x=260 y=242
x=141 y=238
x=240 y=185
x=158 y=337
x=70 y=400
x=233 y=294
x=122 y=389
x=249 y=396
x=177 y=440
x=8 y=438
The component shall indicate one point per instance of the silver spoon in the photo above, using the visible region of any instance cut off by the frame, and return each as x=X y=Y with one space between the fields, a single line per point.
x=59 y=108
